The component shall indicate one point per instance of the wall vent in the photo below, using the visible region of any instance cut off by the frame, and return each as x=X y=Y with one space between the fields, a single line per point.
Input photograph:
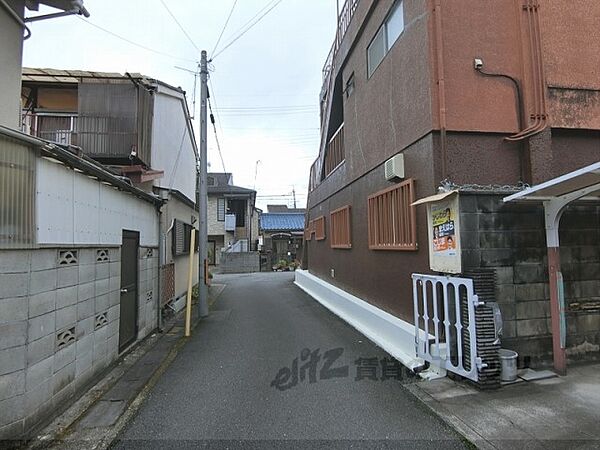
x=67 y=257
x=394 y=167
x=65 y=338
x=102 y=255
x=101 y=320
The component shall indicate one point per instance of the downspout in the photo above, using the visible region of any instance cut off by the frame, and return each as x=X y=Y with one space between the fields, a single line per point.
x=161 y=249
x=439 y=47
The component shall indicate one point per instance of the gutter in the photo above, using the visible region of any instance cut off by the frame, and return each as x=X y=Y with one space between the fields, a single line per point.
x=83 y=163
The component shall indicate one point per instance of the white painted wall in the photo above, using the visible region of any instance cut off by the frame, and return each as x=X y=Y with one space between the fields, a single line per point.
x=73 y=209
x=11 y=54
x=173 y=143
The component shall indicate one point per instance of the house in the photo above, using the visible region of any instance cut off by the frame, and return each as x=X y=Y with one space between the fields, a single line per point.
x=138 y=127
x=473 y=102
x=232 y=217
x=282 y=234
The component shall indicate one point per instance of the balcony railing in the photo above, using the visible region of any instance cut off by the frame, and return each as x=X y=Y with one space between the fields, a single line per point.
x=335 y=151
x=344 y=19
x=59 y=128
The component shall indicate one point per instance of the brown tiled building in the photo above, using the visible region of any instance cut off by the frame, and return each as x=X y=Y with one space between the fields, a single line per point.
x=477 y=97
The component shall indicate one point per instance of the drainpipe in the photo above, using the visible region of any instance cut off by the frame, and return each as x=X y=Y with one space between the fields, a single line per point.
x=161 y=250
x=439 y=47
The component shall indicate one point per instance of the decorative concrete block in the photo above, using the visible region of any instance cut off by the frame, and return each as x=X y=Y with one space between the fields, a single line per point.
x=13 y=334
x=41 y=349
x=44 y=259
x=68 y=276
x=14 y=285
x=87 y=273
x=15 y=261
x=64 y=356
x=43 y=303
x=12 y=409
x=85 y=309
x=43 y=281
x=85 y=327
x=12 y=360
x=63 y=377
x=66 y=317
x=39 y=372
x=41 y=326
x=13 y=309
x=12 y=384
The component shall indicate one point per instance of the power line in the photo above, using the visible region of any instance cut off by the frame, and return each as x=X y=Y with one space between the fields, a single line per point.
x=129 y=41
x=180 y=26
x=249 y=27
x=212 y=119
x=223 y=30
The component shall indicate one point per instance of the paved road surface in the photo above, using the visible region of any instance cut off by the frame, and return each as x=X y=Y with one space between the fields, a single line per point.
x=231 y=385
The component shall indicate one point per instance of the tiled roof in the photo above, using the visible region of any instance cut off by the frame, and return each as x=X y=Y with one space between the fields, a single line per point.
x=282 y=221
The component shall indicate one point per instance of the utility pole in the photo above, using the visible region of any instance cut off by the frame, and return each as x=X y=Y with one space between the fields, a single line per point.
x=203 y=192
x=294 y=194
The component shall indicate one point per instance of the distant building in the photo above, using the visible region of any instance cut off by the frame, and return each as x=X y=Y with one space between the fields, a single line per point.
x=282 y=234
x=232 y=217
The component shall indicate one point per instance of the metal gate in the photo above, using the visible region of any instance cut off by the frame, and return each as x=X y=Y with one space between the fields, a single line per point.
x=445 y=324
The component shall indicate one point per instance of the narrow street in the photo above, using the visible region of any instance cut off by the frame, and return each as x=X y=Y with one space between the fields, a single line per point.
x=226 y=387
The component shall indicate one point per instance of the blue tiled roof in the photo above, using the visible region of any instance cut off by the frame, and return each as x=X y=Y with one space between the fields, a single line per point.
x=282 y=221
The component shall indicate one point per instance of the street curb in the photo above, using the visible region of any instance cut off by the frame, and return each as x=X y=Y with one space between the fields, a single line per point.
x=453 y=421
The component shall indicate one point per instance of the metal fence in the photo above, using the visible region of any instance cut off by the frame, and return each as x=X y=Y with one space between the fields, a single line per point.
x=445 y=324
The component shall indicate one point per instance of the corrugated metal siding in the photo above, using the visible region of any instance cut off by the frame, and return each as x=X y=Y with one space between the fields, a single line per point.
x=17 y=189
x=114 y=119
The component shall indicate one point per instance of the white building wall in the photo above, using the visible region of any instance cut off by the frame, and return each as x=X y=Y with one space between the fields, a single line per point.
x=73 y=209
x=173 y=143
x=11 y=53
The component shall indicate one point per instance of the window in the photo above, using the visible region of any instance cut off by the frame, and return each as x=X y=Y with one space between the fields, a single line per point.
x=221 y=209
x=388 y=34
x=340 y=230
x=391 y=218
x=211 y=181
x=182 y=234
x=319 y=228
x=349 y=85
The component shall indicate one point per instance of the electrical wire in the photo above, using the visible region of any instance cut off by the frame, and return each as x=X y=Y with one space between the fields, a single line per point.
x=180 y=26
x=129 y=41
x=223 y=30
x=242 y=33
x=212 y=119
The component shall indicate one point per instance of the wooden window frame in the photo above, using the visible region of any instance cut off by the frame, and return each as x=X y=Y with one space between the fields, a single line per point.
x=341 y=233
x=394 y=229
x=319 y=228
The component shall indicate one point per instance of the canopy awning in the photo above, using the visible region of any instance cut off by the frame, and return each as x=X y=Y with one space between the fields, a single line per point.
x=585 y=181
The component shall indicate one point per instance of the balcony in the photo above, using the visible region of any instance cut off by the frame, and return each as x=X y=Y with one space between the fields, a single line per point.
x=335 y=151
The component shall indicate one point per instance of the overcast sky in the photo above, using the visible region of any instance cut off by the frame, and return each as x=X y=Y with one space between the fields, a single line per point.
x=265 y=86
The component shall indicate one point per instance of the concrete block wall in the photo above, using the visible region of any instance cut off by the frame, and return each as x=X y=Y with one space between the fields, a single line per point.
x=245 y=262
x=511 y=239
x=148 y=274
x=59 y=328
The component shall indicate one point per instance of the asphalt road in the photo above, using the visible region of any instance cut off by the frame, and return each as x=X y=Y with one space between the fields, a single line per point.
x=235 y=383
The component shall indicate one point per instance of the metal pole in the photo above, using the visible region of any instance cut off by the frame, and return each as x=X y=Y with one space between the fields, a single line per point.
x=202 y=192
x=188 y=303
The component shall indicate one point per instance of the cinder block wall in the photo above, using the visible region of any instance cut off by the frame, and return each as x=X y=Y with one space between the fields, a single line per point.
x=59 y=326
x=511 y=239
x=243 y=262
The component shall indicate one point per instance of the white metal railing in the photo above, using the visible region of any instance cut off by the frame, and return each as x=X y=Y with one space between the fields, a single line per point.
x=445 y=328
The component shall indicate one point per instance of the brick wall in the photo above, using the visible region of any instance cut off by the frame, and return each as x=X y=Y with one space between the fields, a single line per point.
x=511 y=239
x=59 y=326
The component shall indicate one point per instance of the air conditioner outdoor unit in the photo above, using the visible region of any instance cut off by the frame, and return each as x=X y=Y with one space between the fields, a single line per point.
x=394 y=167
